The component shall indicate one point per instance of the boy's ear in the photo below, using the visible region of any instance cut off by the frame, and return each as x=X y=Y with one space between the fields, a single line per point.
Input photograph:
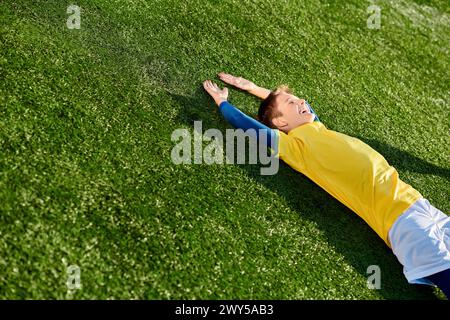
x=279 y=122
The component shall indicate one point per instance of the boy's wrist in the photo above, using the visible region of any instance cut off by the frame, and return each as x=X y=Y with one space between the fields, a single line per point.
x=220 y=101
x=252 y=89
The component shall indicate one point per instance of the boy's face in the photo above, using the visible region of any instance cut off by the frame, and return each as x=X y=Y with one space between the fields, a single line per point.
x=295 y=112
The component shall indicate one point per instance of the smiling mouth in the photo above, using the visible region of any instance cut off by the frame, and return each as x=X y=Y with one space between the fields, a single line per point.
x=302 y=110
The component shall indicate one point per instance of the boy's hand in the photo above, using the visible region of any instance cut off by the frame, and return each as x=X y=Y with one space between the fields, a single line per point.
x=219 y=95
x=238 y=82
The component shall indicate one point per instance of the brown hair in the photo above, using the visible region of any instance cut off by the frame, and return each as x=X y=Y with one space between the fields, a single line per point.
x=268 y=109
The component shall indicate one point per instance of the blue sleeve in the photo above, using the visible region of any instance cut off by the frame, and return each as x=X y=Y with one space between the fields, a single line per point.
x=240 y=120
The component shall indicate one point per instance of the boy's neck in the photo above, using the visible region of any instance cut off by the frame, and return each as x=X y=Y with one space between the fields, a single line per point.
x=300 y=126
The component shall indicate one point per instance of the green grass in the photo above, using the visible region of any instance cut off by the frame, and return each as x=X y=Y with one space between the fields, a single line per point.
x=86 y=118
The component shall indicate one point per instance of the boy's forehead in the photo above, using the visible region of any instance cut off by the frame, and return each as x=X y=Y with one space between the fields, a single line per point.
x=283 y=97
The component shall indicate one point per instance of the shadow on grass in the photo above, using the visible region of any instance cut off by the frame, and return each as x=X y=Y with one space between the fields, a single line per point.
x=344 y=230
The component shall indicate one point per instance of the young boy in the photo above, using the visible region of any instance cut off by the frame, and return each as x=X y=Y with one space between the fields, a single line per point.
x=353 y=173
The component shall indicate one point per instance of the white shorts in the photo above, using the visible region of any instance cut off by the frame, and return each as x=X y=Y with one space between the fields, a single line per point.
x=420 y=238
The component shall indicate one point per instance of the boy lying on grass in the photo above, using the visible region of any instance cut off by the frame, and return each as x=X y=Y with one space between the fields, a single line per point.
x=353 y=173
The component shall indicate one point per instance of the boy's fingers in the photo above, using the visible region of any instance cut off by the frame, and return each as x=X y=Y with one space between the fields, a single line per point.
x=226 y=77
x=209 y=85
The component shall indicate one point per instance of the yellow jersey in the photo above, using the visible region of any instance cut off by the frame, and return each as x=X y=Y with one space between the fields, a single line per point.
x=349 y=170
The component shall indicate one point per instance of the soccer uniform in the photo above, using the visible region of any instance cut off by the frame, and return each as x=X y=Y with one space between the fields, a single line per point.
x=347 y=168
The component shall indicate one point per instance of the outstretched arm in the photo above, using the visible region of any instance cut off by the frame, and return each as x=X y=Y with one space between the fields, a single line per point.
x=237 y=118
x=240 y=120
x=245 y=85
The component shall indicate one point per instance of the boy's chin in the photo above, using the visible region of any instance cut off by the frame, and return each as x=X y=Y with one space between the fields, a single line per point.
x=305 y=119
